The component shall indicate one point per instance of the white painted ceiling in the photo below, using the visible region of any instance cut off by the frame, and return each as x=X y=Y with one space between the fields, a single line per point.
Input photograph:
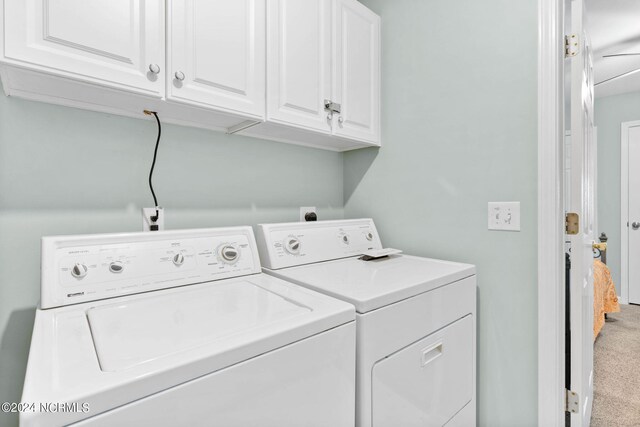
x=614 y=27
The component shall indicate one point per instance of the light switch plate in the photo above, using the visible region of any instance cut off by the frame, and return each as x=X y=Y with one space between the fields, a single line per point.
x=504 y=216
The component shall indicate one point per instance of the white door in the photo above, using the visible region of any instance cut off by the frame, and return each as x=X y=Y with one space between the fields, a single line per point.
x=113 y=43
x=356 y=71
x=583 y=203
x=217 y=54
x=632 y=221
x=299 y=62
x=567 y=178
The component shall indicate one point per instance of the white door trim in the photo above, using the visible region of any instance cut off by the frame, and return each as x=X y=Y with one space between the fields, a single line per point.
x=551 y=295
x=596 y=224
x=624 y=209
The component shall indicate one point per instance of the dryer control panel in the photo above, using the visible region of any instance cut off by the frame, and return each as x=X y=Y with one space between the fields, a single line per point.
x=87 y=268
x=298 y=243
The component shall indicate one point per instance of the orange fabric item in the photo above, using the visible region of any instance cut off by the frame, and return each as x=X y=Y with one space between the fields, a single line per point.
x=605 y=299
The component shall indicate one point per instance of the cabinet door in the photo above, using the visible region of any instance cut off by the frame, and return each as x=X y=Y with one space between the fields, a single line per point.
x=356 y=70
x=114 y=43
x=217 y=54
x=298 y=62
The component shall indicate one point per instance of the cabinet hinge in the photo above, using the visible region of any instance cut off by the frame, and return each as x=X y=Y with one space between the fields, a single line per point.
x=571 y=45
x=572 y=223
x=571 y=401
x=332 y=107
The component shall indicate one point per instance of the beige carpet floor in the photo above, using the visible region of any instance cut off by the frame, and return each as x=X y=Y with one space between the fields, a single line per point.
x=616 y=382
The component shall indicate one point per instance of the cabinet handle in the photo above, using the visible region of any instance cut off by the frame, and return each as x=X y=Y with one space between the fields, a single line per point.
x=179 y=75
x=154 y=68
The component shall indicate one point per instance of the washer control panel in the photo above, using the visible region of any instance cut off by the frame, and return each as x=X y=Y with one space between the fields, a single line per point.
x=291 y=244
x=86 y=268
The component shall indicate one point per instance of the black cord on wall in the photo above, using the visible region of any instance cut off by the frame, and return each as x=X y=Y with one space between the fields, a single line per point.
x=154 y=219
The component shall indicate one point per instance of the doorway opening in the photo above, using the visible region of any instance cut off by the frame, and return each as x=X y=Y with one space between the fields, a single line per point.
x=589 y=91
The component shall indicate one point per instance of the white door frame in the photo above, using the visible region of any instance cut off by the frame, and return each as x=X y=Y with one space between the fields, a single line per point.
x=624 y=209
x=551 y=269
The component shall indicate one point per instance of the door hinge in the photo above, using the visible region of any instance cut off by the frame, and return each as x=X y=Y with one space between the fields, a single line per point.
x=599 y=246
x=572 y=223
x=571 y=401
x=332 y=107
x=571 y=45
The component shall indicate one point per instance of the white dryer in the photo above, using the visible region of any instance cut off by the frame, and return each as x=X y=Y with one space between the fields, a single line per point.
x=416 y=319
x=181 y=328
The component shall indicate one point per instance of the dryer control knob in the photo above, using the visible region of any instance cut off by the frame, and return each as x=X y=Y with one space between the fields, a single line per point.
x=292 y=245
x=178 y=259
x=79 y=270
x=229 y=253
x=369 y=236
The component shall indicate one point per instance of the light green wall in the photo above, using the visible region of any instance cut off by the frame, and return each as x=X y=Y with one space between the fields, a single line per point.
x=459 y=130
x=610 y=113
x=68 y=171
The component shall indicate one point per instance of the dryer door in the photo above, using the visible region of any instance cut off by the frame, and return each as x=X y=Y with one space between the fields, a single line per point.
x=428 y=382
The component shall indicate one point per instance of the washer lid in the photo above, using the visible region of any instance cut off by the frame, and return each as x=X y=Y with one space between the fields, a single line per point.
x=369 y=285
x=127 y=334
x=112 y=352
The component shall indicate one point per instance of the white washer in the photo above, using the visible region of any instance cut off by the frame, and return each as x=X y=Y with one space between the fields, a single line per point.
x=416 y=323
x=182 y=328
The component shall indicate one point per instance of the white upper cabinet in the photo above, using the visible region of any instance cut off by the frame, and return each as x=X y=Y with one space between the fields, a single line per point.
x=216 y=54
x=112 y=43
x=298 y=71
x=323 y=74
x=299 y=63
x=356 y=71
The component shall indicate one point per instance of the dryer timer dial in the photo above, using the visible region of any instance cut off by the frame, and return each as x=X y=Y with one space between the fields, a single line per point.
x=292 y=244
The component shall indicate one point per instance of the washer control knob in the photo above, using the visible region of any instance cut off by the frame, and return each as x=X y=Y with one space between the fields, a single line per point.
x=178 y=259
x=229 y=253
x=369 y=236
x=292 y=245
x=116 y=267
x=79 y=270
x=345 y=239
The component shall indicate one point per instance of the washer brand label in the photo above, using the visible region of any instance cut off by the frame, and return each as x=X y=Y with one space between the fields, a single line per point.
x=77 y=294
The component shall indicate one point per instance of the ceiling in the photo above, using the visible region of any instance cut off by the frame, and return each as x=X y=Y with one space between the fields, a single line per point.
x=614 y=27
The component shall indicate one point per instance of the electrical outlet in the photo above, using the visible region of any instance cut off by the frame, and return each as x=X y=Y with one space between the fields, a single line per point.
x=147 y=213
x=305 y=210
x=504 y=216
